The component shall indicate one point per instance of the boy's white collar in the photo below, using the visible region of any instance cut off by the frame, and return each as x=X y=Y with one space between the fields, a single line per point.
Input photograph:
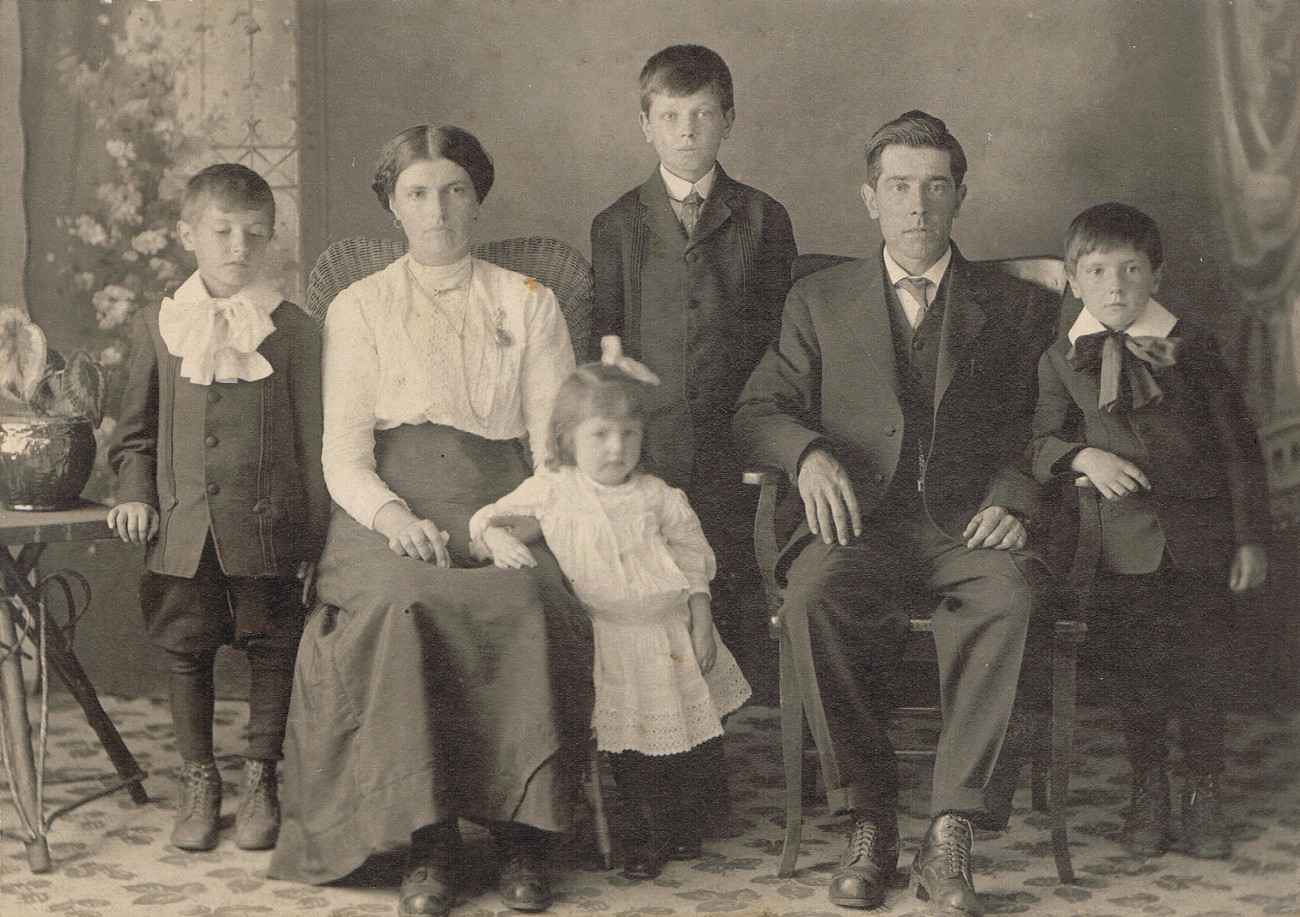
x=260 y=294
x=216 y=338
x=1155 y=321
x=679 y=187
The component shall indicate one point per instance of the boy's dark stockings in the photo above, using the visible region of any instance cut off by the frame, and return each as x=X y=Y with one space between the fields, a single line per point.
x=190 y=688
x=270 y=683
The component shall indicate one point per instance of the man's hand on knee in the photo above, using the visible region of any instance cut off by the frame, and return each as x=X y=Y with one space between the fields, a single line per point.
x=829 y=502
x=994 y=527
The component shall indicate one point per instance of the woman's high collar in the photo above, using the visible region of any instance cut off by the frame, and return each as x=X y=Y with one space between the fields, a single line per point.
x=442 y=277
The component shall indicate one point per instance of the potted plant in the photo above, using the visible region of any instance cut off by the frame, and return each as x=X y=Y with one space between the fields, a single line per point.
x=49 y=408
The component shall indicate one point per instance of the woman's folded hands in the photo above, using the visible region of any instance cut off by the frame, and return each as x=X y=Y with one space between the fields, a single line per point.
x=410 y=536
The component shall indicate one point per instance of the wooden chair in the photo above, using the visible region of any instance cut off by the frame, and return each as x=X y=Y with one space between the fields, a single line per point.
x=555 y=264
x=1051 y=760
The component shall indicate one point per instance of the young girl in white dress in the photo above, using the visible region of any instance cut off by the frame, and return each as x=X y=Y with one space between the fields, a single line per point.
x=634 y=552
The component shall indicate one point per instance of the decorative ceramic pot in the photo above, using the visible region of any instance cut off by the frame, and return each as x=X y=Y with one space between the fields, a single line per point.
x=45 y=462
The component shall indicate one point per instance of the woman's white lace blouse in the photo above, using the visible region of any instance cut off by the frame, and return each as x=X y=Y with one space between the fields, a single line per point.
x=468 y=345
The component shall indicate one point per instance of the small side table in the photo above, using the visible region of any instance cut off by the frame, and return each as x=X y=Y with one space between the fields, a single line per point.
x=30 y=532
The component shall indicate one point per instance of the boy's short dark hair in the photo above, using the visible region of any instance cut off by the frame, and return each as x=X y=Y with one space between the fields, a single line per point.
x=916 y=129
x=683 y=70
x=230 y=183
x=1106 y=226
x=425 y=142
x=594 y=390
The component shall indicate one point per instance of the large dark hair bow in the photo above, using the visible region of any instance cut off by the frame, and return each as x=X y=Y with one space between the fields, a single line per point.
x=1125 y=380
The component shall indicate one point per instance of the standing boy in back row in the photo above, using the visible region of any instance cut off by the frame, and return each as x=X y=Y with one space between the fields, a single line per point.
x=691 y=270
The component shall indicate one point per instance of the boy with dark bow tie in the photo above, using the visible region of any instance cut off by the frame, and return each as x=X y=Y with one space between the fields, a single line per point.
x=1137 y=404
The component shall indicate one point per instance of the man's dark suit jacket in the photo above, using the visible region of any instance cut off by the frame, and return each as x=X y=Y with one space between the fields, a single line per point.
x=831 y=381
x=700 y=312
x=1196 y=447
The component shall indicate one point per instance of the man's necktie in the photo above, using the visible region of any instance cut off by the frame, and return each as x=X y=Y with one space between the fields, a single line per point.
x=917 y=287
x=691 y=211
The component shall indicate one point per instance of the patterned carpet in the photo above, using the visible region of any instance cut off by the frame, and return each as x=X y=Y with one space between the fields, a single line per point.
x=112 y=858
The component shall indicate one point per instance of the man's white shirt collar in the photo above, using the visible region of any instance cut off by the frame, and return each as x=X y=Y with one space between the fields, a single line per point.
x=1155 y=321
x=934 y=274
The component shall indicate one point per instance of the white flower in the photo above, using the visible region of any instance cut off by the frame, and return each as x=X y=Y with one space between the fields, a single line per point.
x=121 y=150
x=84 y=280
x=113 y=306
x=165 y=270
x=150 y=242
x=112 y=355
x=88 y=230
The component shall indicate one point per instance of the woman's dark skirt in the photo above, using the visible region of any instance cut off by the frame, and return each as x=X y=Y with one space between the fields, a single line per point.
x=424 y=693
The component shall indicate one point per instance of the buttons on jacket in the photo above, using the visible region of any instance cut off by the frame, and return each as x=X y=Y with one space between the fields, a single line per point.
x=918 y=343
x=213 y=396
x=261 y=506
x=214 y=489
x=692 y=257
x=212 y=441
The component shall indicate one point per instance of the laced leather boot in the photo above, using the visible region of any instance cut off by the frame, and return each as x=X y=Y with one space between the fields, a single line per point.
x=198 y=806
x=942 y=867
x=868 y=863
x=524 y=884
x=257 y=820
x=429 y=881
x=1205 y=836
x=1147 y=830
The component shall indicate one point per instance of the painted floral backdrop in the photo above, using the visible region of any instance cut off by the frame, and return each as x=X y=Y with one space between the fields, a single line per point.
x=183 y=86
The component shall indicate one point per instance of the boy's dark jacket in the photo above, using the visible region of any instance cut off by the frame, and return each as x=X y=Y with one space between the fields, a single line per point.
x=699 y=312
x=1197 y=447
x=256 y=444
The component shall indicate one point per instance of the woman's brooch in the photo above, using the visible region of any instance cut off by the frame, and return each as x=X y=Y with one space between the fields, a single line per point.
x=503 y=337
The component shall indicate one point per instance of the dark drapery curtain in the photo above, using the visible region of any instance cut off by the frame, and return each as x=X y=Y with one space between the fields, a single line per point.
x=64 y=158
x=1255 y=132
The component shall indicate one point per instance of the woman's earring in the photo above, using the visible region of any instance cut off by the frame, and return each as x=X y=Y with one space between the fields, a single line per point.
x=397 y=224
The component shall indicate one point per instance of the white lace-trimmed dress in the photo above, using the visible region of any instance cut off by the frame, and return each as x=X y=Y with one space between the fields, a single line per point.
x=634 y=552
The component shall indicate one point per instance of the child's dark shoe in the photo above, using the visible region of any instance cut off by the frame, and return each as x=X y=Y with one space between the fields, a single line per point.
x=198 y=806
x=1205 y=836
x=646 y=858
x=1147 y=830
x=257 y=821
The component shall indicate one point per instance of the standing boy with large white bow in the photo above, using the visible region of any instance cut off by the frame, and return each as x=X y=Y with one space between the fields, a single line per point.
x=218 y=457
x=1136 y=403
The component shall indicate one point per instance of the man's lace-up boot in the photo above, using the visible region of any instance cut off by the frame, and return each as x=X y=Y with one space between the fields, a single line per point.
x=868 y=864
x=1147 y=830
x=257 y=821
x=1205 y=836
x=198 y=806
x=942 y=867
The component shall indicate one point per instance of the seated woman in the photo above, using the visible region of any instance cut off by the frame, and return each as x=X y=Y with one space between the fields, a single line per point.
x=429 y=686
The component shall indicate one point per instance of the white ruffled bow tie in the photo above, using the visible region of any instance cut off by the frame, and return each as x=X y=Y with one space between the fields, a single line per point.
x=217 y=339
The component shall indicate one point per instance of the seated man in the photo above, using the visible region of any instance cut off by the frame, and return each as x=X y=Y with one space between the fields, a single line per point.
x=900 y=395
